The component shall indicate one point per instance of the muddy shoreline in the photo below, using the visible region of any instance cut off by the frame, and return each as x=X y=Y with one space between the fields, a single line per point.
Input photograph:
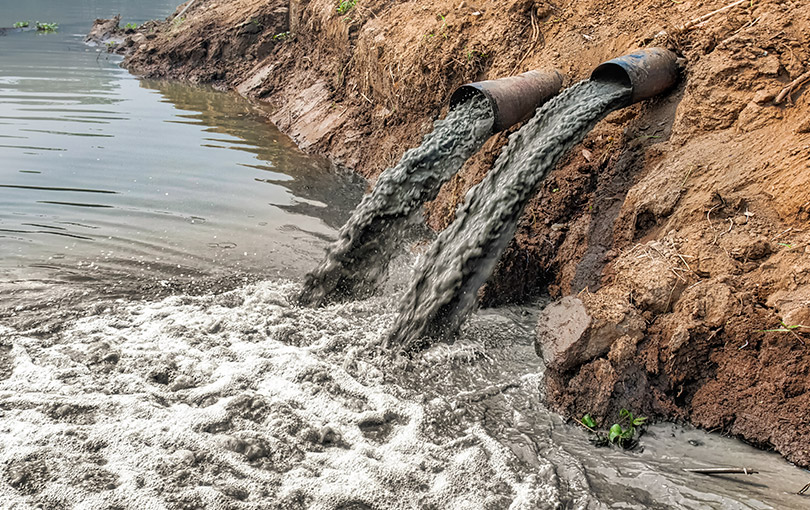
x=679 y=225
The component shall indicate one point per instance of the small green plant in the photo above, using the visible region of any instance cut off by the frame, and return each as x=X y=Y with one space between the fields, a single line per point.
x=785 y=328
x=589 y=422
x=47 y=28
x=21 y=24
x=442 y=29
x=345 y=6
x=475 y=55
x=281 y=35
x=131 y=26
x=624 y=433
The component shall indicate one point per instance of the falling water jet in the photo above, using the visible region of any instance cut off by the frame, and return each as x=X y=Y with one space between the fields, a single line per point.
x=359 y=257
x=446 y=282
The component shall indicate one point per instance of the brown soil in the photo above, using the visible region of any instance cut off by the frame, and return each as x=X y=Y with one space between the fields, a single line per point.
x=686 y=213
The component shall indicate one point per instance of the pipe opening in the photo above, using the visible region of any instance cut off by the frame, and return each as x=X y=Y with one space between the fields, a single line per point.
x=513 y=99
x=612 y=73
x=467 y=92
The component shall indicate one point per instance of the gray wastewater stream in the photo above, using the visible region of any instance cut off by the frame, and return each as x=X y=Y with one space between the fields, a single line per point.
x=117 y=192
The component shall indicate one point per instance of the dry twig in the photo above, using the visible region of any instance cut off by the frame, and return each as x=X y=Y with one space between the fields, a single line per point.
x=185 y=9
x=792 y=86
x=723 y=471
x=535 y=39
x=703 y=19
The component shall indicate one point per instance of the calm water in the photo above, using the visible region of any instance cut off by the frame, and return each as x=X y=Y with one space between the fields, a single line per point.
x=104 y=176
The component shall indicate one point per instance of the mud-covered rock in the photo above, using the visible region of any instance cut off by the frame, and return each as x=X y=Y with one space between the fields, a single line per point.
x=106 y=32
x=575 y=330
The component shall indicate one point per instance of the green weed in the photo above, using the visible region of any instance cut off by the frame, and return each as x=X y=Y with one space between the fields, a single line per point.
x=47 y=28
x=131 y=26
x=788 y=329
x=474 y=55
x=281 y=35
x=21 y=24
x=785 y=328
x=442 y=29
x=345 y=6
x=624 y=433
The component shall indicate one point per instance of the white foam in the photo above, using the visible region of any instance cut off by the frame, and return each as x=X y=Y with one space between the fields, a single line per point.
x=236 y=401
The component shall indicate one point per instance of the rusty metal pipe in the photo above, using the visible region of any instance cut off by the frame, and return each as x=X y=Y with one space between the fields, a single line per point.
x=648 y=72
x=512 y=99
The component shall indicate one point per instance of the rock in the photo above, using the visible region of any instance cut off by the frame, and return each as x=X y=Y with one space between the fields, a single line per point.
x=763 y=97
x=105 y=31
x=804 y=126
x=575 y=330
x=757 y=249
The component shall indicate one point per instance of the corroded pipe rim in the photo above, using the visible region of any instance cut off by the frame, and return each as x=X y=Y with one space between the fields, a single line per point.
x=647 y=72
x=512 y=99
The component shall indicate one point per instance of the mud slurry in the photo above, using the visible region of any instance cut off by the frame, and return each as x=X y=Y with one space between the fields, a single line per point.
x=239 y=400
x=446 y=283
x=367 y=242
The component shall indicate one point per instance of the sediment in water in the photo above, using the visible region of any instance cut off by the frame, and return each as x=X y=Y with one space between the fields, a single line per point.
x=360 y=255
x=447 y=279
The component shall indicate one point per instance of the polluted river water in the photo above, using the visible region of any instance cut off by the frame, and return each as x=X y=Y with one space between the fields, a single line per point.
x=166 y=392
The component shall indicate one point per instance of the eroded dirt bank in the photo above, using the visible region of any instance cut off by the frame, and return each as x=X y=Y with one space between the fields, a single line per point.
x=679 y=225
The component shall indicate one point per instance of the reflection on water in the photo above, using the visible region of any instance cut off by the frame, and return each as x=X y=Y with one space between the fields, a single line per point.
x=103 y=174
x=276 y=156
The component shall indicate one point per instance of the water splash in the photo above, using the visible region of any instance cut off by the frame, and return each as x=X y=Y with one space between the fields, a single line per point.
x=446 y=283
x=241 y=401
x=366 y=243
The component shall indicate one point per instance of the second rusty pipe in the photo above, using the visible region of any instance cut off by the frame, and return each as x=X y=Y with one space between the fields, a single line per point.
x=512 y=99
x=647 y=72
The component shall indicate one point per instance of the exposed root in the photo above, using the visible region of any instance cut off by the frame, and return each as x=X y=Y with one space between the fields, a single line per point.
x=795 y=84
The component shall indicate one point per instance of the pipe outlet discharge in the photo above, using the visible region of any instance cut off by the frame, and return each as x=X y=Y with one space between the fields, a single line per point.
x=648 y=72
x=512 y=99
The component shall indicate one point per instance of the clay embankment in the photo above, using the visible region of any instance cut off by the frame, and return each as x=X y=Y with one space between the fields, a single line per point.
x=680 y=225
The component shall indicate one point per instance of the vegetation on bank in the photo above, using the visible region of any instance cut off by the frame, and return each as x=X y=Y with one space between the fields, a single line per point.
x=46 y=28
